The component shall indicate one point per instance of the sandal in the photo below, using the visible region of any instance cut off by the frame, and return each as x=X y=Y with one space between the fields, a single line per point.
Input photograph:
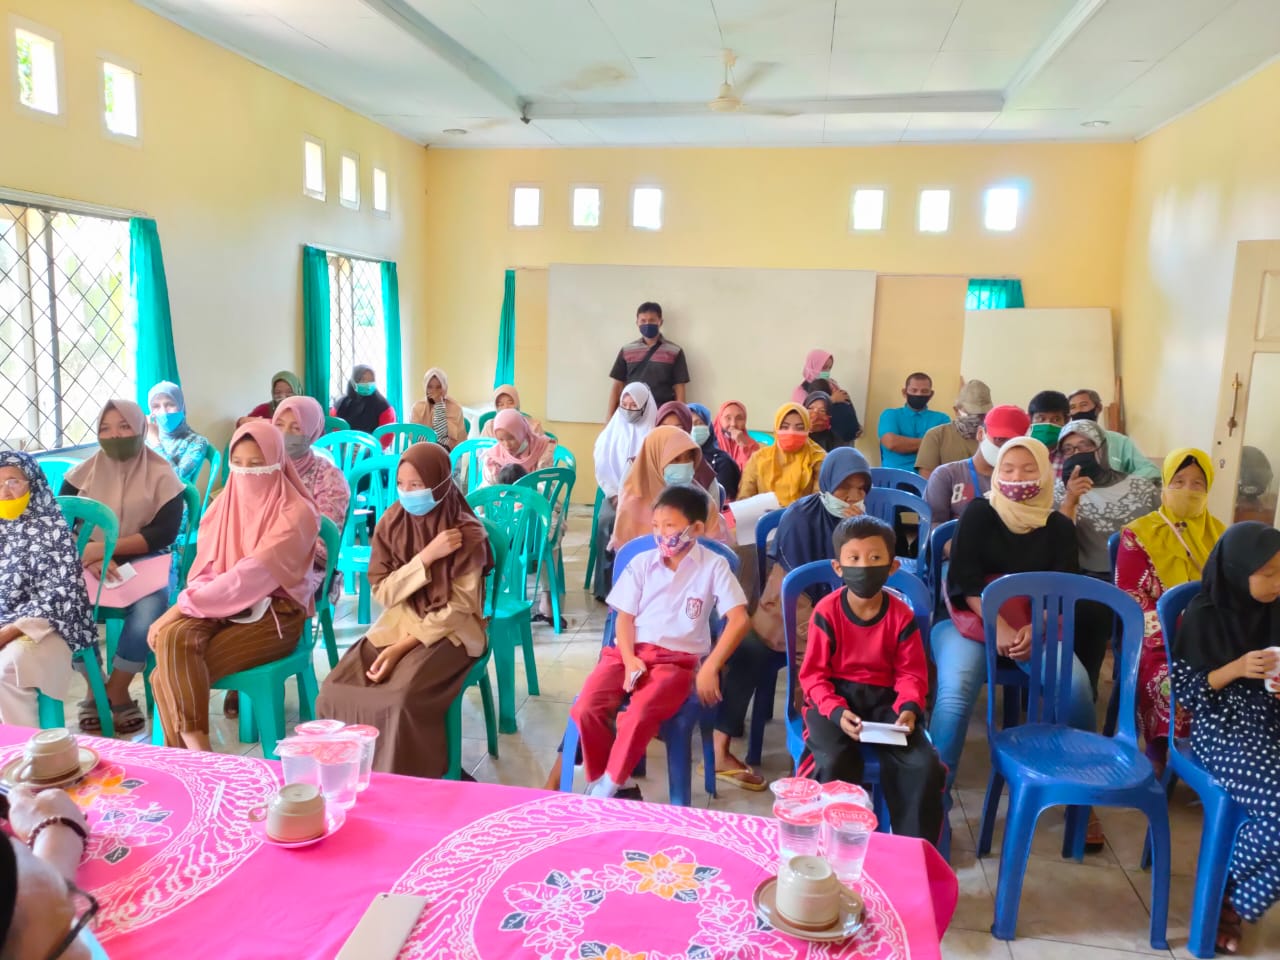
x=231 y=704
x=743 y=777
x=127 y=717
x=1094 y=838
x=1230 y=930
x=88 y=717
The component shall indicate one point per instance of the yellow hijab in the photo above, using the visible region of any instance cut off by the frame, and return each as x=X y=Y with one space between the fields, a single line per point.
x=789 y=475
x=1178 y=544
x=1023 y=516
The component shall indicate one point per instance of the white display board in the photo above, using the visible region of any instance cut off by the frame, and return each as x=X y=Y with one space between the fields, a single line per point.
x=745 y=332
x=1018 y=353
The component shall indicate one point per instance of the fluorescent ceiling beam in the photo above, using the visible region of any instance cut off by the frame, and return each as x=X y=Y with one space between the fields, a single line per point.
x=982 y=101
x=1052 y=45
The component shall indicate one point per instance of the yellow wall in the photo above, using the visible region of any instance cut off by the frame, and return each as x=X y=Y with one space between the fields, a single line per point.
x=219 y=167
x=1201 y=184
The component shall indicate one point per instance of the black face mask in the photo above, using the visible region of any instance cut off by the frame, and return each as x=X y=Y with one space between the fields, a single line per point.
x=917 y=402
x=1085 y=415
x=1087 y=462
x=865 y=582
x=122 y=448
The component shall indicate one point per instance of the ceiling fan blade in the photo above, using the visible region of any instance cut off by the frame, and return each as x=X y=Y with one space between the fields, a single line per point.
x=752 y=77
x=764 y=110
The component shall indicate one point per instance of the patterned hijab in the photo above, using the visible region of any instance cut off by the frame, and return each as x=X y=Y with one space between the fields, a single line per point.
x=789 y=475
x=741 y=451
x=1179 y=546
x=40 y=572
x=1023 y=516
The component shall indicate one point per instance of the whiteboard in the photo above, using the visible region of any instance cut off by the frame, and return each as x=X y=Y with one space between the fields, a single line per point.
x=1018 y=353
x=745 y=332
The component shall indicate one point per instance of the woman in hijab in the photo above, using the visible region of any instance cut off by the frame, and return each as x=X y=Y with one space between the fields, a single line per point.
x=727 y=472
x=250 y=589
x=816 y=375
x=171 y=436
x=1221 y=659
x=430 y=557
x=518 y=443
x=615 y=448
x=283 y=385
x=1096 y=496
x=141 y=489
x=831 y=424
x=45 y=613
x=505 y=397
x=789 y=468
x=363 y=406
x=668 y=457
x=439 y=411
x=301 y=421
x=674 y=413
x=1159 y=551
x=730 y=428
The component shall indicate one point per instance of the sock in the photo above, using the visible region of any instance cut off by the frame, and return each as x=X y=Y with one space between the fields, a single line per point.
x=604 y=787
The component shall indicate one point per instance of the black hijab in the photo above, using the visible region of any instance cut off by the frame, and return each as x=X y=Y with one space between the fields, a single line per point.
x=1224 y=622
x=363 y=413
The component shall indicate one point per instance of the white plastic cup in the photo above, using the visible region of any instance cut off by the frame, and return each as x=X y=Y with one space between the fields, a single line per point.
x=318 y=728
x=1272 y=682
x=297 y=761
x=799 y=828
x=367 y=737
x=338 y=763
x=847 y=829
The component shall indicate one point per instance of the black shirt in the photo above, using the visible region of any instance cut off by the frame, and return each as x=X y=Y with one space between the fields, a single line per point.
x=660 y=373
x=984 y=548
x=161 y=532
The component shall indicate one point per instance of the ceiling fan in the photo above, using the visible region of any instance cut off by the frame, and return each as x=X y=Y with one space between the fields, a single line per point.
x=729 y=99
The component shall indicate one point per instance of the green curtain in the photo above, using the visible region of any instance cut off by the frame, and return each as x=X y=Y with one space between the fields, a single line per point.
x=505 y=370
x=155 y=360
x=315 y=324
x=394 y=384
x=994 y=295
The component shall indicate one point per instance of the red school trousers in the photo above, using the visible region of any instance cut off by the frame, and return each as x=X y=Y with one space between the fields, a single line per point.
x=656 y=699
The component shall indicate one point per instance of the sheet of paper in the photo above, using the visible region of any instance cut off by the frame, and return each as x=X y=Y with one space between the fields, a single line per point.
x=124 y=573
x=747 y=513
x=886 y=734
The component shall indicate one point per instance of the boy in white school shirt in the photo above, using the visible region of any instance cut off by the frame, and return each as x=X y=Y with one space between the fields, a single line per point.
x=663 y=602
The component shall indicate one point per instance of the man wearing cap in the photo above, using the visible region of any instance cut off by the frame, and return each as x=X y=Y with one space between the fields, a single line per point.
x=1086 y=404
x=957 y=439
x=953 y=486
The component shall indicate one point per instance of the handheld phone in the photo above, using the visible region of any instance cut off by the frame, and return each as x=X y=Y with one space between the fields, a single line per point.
x=384 y=928
x=632 y=679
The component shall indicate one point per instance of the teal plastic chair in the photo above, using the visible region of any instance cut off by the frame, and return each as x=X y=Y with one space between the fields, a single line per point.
x=378 y=475
x=84 y=516
x=403 y=436
x=478 y=675
x=467 y=456
x=591 y=544
x=762 y=437
x=261 y=688
x=467 y=424
x=556 y=487
x=213 y=457
x=523 y=516
x=488 y=416
x=564 y=456
x=333 y=424
x=55 y=470
x=346 y=448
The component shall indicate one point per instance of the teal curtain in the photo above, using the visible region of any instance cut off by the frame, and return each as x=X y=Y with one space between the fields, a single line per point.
x=315 y=324
x=505 y=370
x=994 y=295
x=394 y=383
x=155 y=360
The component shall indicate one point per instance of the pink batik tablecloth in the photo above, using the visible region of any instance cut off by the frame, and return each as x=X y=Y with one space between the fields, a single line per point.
x=508 y=872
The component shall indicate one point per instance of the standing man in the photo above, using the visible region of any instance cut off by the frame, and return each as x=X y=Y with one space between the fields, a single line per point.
x=902 y=428
x=653 y=360
x=957 y=440
x=1125 y=456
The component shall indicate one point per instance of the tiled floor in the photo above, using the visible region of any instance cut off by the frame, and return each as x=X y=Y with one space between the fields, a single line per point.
x=1091 y=911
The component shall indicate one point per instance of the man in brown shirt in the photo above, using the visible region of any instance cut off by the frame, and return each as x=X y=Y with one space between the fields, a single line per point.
x=957 y=439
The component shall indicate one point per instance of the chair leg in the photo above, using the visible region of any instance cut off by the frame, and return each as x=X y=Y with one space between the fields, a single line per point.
x=157 y=728
x=680 y=770
x=50 y=711
x=555 y=581
x=568 y=754
x=1074 y=832
x=270 y=715
x=248 y=721
x=1158 y=818
x=1216 y=841
x=708 y=729
x=363 y=614
x=530 y=662
x=308 y=691
x=330 y=639
x=115 y=628
x=1019 y=826
x=990 y=804
x=504 y=662
x=147 y=692
x=98 y=688
x=1169 y=781
x=453 y=733
x=490 y=714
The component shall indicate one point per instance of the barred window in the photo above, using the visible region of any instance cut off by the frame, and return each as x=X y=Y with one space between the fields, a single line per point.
x=67 y=330
x=356 y=330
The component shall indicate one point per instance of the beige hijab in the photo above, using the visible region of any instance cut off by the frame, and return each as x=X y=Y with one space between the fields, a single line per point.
x=1023 y=516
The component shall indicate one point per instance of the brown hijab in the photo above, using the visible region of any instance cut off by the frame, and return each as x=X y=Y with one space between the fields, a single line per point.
x=400 y=535
x=645 y=481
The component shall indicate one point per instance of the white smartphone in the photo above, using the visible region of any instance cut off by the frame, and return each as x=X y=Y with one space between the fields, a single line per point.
x=632 y=680
x=384 y=928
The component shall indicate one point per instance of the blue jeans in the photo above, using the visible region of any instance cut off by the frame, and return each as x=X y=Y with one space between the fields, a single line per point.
x=132 y=651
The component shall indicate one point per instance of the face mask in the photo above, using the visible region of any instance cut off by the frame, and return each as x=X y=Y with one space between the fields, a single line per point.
x=13 y=509
x=169 y=422
x=633 y=415
x=417 y=502
x=791 y=442
x=865 y=582
x=1046 y=433
x=366 y=389
x=121 y=448
x=818 y=422
x=263 y=471
x=1185 y=504
x=824 y=374
x=967 y=426
x=648 y=330
x=989 y=450
x=917 y=402
x=296 y=446
x=523 y=448
x=1087 y=462
x=1085 y=415
x=675 y=544
x=677 y=473
x=700 y=433
x=833 y=504
x=1019 y=491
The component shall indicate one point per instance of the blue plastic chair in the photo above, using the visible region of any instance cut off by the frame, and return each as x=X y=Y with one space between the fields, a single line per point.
x=353 y=561
x=767 y=682
x=55 y=470
x=939 y=537
x=346 y=448
x=1045 y=763
x=466 y=456
x=676 y=733
x=891 y=478
x=403 y=436
x=1113 y=705
x=591 y=542
x=885 y=502
x=556 y=485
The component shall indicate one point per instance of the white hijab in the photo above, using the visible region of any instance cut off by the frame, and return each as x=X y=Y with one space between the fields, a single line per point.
x=621 y=439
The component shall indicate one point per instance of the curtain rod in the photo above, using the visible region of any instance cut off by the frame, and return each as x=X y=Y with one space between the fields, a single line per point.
x=358 y=254
x=70 y=206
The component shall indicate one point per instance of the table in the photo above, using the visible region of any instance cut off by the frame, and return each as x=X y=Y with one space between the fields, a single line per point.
x=508 y=872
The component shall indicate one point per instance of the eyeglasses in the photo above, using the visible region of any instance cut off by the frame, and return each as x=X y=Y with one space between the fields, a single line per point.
x=14 y=485
x=86 y=907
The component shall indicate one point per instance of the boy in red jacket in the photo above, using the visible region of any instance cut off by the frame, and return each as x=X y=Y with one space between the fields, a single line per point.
x=865 y=661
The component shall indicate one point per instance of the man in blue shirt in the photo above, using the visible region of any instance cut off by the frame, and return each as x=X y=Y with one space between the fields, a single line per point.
x=902 y=427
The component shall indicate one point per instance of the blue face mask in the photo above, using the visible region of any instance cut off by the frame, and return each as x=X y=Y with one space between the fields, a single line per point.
x=366 y=389
x=677 y=473
x=417 y=502
x=700 y=433
x=648 y=330
x=169 y=422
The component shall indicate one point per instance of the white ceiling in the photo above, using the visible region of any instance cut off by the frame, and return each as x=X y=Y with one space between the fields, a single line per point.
x=639 y=72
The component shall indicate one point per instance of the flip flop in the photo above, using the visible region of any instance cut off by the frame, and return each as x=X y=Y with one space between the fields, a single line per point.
x=739 y=777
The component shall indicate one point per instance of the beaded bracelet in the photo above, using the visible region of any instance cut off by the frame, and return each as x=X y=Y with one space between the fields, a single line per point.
x=67 y=822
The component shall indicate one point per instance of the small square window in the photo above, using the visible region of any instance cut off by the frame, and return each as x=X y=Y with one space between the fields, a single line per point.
x=586 y=207
x=379 y=190
x=37 y=71
x=120 y=100
x=935 y=211
x=646 y=208
x=349 y=184
x=526 y=206
x=867 y=210
x=1001 y=208
x=313 y=168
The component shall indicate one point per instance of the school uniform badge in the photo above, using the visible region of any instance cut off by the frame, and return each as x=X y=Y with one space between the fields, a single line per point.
x=693 y=607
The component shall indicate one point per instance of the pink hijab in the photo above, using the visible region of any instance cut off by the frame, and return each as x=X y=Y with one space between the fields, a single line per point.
x=741 y=452
x=267 y=515
x=535 y=445
x=814 y=361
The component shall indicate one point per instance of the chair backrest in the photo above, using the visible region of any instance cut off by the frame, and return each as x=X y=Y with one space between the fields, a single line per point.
x=331 y=537
x=83 y=516
x=485 y=418
x=1113 y=551
x=185 y=545
x=467 y=456
x=403 y=435
x=885 y=502
x=893 y=479
x=762 y=437
x=1169 y=609
x=501 y=546
x=467 y=425
x=941 y=535
x=378 y=476
x=526 y=517
x=333 y=424
x=1054 y=599
x=212 y=457
x=765 y=526
x=55 y=470
x=564 y=455
x=556 y=486
x=346 y=448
